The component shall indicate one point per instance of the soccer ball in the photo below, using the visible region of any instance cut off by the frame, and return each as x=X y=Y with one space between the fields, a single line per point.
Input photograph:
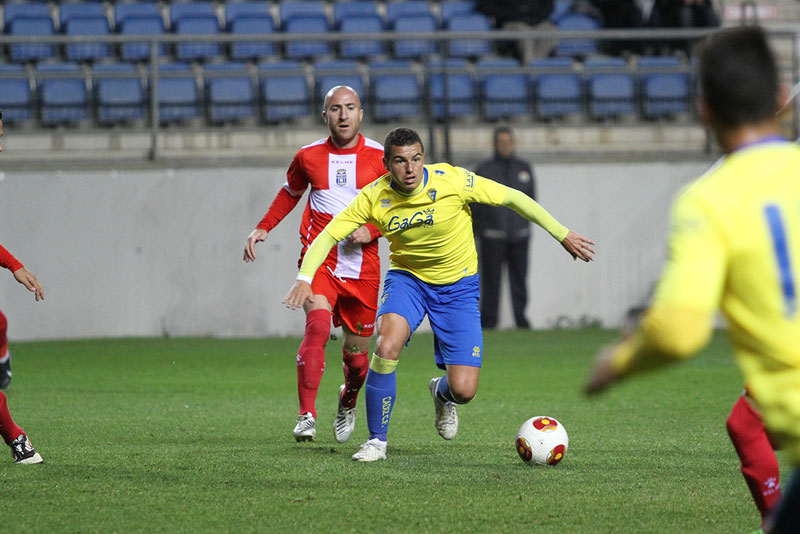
x=542 y=440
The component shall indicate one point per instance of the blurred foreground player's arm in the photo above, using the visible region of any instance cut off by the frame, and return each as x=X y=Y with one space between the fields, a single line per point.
x=23 y=275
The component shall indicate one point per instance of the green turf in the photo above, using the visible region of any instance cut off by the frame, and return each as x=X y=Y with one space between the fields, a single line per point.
x=194 y=435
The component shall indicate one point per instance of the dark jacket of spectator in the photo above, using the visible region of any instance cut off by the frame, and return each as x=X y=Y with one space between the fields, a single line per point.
x=531 y=12
x=502 y=223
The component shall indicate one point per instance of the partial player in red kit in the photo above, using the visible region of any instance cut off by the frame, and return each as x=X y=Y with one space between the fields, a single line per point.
x=346 y=286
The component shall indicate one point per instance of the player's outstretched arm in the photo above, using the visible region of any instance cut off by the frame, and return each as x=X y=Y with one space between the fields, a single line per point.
x=578 y=246
x=255 y=236
x=27 y=279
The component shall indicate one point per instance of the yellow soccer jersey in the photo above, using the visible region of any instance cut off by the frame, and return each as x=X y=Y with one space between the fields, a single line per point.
x=430 y=232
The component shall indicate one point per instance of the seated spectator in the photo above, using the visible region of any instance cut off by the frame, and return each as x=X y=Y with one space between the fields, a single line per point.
x=682 y=14
x=624 y=14
x=521 y=15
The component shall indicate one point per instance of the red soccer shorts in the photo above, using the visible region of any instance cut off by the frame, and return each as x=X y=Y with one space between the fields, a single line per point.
x=354 y=302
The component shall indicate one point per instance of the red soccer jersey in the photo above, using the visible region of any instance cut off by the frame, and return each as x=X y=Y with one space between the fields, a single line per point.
x=8 y=261
x=336 y=175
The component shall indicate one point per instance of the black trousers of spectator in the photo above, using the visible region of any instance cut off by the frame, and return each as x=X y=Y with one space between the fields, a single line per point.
x=494 y=254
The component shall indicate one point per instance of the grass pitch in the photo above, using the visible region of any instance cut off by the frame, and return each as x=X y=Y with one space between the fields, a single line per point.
x=194 y=435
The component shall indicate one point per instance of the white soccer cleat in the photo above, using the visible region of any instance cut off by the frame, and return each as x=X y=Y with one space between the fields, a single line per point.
x=23 y=452
x=371 y=451
x=345 y=421
x=306 y=427
x=446 y=421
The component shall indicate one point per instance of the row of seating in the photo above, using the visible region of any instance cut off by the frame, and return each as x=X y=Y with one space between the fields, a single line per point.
x=273 y=92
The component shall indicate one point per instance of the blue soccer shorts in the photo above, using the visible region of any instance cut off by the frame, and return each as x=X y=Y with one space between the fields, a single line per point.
x=452 y=311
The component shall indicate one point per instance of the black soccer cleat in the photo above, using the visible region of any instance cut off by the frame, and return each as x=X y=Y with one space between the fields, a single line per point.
x=23 y=452
x=5 y=373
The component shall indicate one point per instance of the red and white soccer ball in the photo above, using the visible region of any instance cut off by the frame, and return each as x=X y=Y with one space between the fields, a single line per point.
x=542 y=440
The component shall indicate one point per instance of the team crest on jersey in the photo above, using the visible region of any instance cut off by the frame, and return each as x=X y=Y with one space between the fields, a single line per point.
x=386 y=203
x=432 y=194
x=341 y=177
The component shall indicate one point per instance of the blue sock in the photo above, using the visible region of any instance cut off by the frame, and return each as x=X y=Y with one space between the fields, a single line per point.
x=380 y=394
x=443 y=391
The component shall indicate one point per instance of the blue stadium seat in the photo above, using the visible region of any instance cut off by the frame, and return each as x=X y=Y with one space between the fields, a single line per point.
x=361 y=48
x=119 y=93
x=474 y=22
x=15 y=93
x=178 y=95
x=248 y=8
x=329 y=74
x=665 y=90
x=14 y=10
x=134 y=9
x=140 y=25
x=230 y=93
x=576 y=47
x=248 y=25
x=71 y=10
x=86 y=26
x=64 y=100
x=301 y=8
x=31 y=26
x=284 y=91
x=609 y=88
x=316 y=24
x=556 y=88
x=397 y=10
x=197 y=25
x=343 y=10
x=504 y=88
x=460 y=89
x=396 y=91
x=414 y=48
x=450 y=8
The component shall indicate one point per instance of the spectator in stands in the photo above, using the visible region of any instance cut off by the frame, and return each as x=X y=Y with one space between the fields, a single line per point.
x=521 y=15
x=504 y=236
x=624 y=14
x=682 y=14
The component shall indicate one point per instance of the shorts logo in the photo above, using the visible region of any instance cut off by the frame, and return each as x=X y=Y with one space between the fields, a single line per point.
x=476 y=351
x=386 y=408
x=341 y=177
x=383 y=299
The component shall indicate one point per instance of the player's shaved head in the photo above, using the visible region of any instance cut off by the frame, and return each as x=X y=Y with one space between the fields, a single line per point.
x=342 y=113
x=344 y=90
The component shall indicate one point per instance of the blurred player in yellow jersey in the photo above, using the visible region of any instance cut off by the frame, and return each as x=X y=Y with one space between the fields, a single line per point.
x=423 y=211
x=735 y=246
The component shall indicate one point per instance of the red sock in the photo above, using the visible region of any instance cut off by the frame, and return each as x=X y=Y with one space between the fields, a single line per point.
x=3 y=337
x=8 y=429
x=759 y=465
x=311 y=358
x=355 y=372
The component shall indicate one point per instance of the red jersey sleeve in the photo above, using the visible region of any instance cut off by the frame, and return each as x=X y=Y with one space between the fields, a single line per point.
x=373 y=232
x=8 y=261
x=285 y=201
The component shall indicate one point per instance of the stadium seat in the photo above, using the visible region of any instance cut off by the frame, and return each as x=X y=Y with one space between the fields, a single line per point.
x=29 y=27
x=197 y=25
x=119 y=93
x=342 y=10
x=134 y=9
x=396 y=91
x=15 y=93
x=248 y=8
x=301 y=8
x=329 y=74
x=450 y=8
x=556 y=88
x=576 y=47
x=230 y=92
x=474 y=22
x=609 y=87
x=247 y=25
x=140 y=25
x=397 y=10
x=414 y=48
x=666 y=89
x=307 y=49
x=504 y=88
x=70 y=10
x=284 y=91
x=361 y=48
x=460 y=89
x=64 y=100
x=86 y=27
x=181 y=10
x=14 y=10
x=178 y=94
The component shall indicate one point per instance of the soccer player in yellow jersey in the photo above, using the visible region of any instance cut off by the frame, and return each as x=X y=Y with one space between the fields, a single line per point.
x=734 y=245
x=423 y=211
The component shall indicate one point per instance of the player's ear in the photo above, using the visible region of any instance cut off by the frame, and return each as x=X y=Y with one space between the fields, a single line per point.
x=702 y=110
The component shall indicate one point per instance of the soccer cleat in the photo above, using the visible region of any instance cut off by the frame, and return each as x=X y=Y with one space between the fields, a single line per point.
x=371 y=451
x=306 y=427
x=446 y=421
x=23 y=452
x=5 y=373
x=345 y=421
